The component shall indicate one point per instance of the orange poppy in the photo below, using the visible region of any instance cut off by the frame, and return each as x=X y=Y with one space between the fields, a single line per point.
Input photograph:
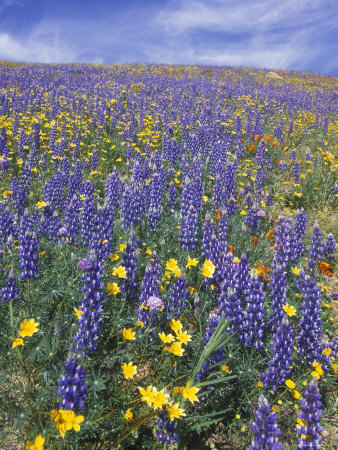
x=254 y=241
x=263 y=272
x=269 y=233
x=325 y=269
x=218 y=214
x=231 y=249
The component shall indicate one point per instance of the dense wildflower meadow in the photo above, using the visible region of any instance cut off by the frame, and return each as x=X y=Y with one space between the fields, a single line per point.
x=168 y=257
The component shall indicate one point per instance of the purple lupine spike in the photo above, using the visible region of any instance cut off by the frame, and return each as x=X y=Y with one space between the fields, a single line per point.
x=310 y=325
x=223 y=226
x=277 y=132
x=299 y=234
x=72 y=221
x=253 y=220
x=166 y=432
x=155 y=198
x=177 y=298
x=329 y=249
x=102 y=236
x=308 y=419
x=72 y=386
x=132 y=206
x=7 y=226
x=53 y=190
x=282 y=350
x=284 y=243
x=36 y=135
x=316 y=247
x=87 y=214
x=296 y=172
x=22 y=143
x=260 y=155
x=112 y=190
x=137 y=170
x=65 y=168
x=252 y=327
x=28 y=258
x=172 y=196
x=76 y=149
x=265 y=428
x=189 y=213
x=10 y=291
x=149 y=288
x=91 y=305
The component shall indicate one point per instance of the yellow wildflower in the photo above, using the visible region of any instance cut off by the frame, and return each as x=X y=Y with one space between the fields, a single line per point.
x=114 y=257
x=225 y=368
x=327 y=352
x=174 y=411
x=176 y=325
x=159 y=398
x=191 y=263
x=128 y=334
x=290 y=384
x=208 y=269
x=147 y=395
x=129 y=415
x=189 y=393
x=166 y=338
x=290 y=310
x=177 y=272
x=295 y=270
x=78 y=313
x=129 y=370
x=176 y=349
x=28 y=328
x=113 y=288
x=120 y=272
x=122 y=247
x=295 y=394
x=38 y=443
x=17 y=342
x=41 y=204
x=183 y=337
x=66 y=420
x=171 y=265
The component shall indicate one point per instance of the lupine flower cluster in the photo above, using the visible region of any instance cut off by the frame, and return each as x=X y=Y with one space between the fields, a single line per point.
x=265 y=428
x=166 y=196
x=308 y=419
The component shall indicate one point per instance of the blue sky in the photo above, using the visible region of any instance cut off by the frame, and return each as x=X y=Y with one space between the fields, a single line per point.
x=290 y=34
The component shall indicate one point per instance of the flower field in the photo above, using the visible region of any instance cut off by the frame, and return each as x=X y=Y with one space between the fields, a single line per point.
x=168 y=257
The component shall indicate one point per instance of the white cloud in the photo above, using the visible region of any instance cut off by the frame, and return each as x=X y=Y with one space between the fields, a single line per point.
x=274 y=34
x=286 y=35
x=4 y=4
x=34 y=50
x=233 y=16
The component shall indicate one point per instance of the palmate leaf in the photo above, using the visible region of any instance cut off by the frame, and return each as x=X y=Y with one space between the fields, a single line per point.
x=55 y=294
